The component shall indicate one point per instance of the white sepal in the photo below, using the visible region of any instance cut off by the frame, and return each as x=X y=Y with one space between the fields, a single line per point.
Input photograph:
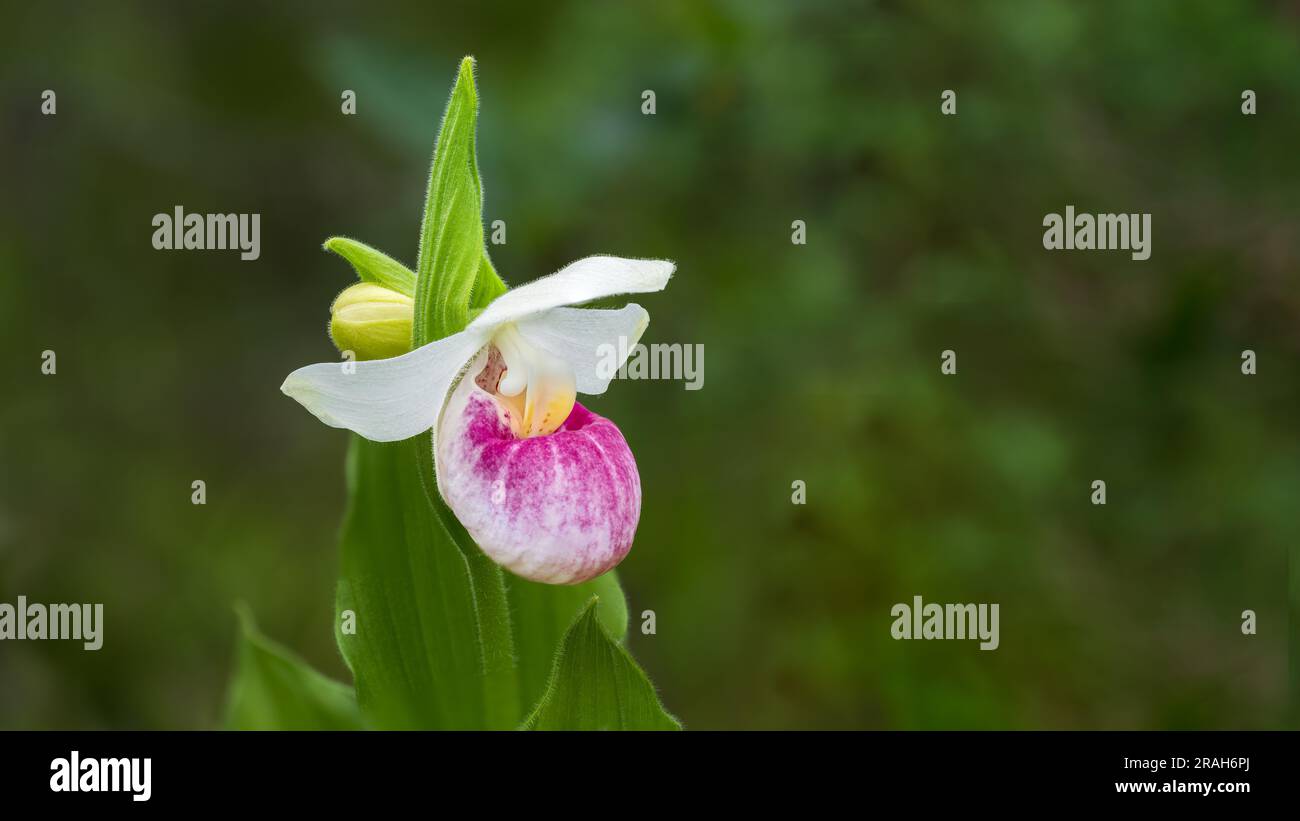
x=385 y=400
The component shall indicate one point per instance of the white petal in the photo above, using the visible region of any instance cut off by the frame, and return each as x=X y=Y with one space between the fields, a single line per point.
x=578 y=282
x=385 y=400
x=594 y=342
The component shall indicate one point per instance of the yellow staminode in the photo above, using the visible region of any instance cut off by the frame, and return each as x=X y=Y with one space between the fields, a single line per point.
x=539 y=389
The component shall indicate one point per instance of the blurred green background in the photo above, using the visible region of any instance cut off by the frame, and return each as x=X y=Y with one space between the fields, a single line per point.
x=821 y=361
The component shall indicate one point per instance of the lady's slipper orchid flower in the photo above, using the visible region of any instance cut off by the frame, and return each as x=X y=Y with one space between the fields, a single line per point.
x=547 y=488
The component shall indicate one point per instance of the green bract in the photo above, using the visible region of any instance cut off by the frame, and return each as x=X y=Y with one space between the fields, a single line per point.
x=453 y=270
x=374 y=266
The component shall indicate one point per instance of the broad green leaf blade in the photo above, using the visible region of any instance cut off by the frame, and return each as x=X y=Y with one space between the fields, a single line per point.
x=451 y=233
x=273 y=689
x=544 y=612
x=374 y=266
x=596 y=685
x=499 y=679
x=432 y=647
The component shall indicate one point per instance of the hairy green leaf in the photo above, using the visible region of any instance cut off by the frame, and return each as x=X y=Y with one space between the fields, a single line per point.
x=544 y=612
x=451 y=233
x=374 y=266
x=596 y=685
x=272 y=689
x=432 y=647
x=487 y=286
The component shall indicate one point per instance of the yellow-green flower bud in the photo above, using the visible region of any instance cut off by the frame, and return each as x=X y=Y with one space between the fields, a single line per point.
x=371 y=321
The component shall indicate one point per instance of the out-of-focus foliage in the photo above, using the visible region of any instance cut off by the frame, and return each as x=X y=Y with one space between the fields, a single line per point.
x=272 y=689
x=924 y=234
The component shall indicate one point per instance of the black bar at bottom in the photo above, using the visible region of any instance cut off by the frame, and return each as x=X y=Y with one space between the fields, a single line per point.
x=337 y=771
